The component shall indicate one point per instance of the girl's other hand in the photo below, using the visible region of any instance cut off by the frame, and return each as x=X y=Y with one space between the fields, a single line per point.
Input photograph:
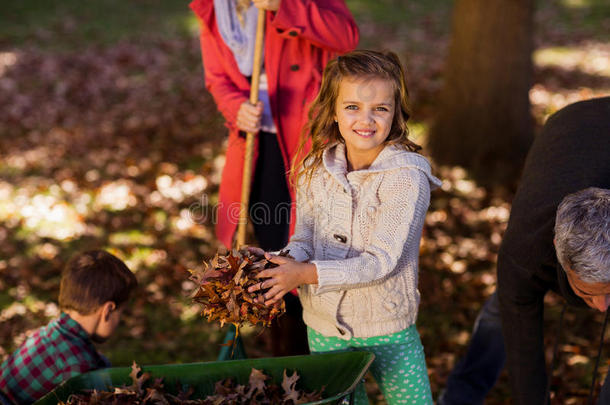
x=255 y=250
x=271 y=5
x=249 y=117
x=282 y=279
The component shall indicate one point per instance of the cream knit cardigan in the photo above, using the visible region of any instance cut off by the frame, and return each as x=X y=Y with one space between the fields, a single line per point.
x=362 y=230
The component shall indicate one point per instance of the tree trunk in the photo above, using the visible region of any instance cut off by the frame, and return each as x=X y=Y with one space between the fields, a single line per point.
x=484 y=122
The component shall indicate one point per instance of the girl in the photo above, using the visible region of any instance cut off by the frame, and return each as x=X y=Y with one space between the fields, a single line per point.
x=300 y=37
x=362 y=197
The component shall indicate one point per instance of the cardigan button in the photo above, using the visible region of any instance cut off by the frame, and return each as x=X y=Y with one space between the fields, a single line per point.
x=340 y=238
x=293 y=33
x=389 y=305
x=294 y=68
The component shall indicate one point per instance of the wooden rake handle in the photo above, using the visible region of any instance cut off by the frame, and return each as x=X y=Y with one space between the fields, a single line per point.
x=247 y=175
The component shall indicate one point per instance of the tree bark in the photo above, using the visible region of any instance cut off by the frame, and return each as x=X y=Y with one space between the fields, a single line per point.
x=484 y=122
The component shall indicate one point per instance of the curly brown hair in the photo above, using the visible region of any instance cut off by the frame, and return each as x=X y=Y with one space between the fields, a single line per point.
x=321 y=129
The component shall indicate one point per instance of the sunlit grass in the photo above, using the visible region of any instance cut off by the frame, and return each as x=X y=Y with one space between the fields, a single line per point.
x=178 y=189
x=7 y=59
x=592 y=58
x=131 y=237
x=580 y=16
x=589 y=61
x=418 y=131
x=67 y=24
x=397 y=11
x=44 y=214
x=546 y=101
x=190 y=23
x=587 y=5
x=116 y=196
x=576 y=3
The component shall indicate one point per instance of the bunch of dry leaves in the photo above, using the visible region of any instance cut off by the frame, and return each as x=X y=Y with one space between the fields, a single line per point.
x=226 y=392
x=259 y=392
x=223 y=289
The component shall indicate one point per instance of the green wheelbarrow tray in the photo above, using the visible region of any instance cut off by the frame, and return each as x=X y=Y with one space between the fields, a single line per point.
x=339 y=373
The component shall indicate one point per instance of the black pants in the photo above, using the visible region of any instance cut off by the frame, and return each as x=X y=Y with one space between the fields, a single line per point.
x=269 y=210
x=269 y=197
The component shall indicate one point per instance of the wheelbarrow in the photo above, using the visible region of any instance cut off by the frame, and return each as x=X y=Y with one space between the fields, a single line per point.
x=339 y=373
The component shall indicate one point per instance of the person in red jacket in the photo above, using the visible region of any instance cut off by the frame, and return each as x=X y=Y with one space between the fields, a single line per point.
x=301 y=36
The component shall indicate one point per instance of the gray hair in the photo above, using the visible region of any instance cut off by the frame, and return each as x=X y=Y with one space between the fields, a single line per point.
x=582 y=234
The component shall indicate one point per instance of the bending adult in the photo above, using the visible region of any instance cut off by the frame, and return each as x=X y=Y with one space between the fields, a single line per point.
x=301 y=36
x=571 y=153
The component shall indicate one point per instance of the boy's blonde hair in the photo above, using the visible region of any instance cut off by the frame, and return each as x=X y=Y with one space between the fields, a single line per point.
x=321 y=129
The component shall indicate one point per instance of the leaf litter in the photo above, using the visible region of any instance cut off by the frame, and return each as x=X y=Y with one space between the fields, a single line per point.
x=259 y=390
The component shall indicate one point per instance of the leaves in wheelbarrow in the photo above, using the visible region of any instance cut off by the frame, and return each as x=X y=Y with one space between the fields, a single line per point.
x=226 y=392
x=137 y=381
x=223 y=289
x=127 y=395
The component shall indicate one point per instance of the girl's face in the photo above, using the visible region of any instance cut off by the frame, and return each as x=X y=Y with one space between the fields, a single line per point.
x=364 y=112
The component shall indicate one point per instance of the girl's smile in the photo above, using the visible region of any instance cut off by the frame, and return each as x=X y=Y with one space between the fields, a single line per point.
x=366 y=133
x=364 y=113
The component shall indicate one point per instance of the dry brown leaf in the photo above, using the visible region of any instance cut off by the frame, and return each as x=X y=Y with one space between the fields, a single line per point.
x=257 y=383
x=137 y=381
x=289 y=384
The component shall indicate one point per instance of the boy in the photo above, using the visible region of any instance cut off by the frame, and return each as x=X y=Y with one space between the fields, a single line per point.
x=94 y=286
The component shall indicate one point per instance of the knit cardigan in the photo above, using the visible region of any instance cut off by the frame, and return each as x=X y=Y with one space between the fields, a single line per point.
x=362 y=231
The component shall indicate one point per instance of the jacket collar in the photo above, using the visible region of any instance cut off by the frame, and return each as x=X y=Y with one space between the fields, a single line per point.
x=70 y=326
x=390 y=158
x=203 y=9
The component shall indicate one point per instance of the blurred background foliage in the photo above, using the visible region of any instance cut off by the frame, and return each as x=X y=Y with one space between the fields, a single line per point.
x=108 y=139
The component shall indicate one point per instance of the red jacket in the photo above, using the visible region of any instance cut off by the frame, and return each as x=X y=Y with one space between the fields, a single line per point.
x=301 y=37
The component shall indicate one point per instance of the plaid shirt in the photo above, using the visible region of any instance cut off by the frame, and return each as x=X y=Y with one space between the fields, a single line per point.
x=53 y=354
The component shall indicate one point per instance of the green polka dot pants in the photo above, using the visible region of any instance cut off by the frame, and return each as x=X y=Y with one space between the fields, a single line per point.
x=399 y=366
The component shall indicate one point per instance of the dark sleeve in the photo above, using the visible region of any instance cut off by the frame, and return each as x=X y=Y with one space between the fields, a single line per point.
x=521 y=307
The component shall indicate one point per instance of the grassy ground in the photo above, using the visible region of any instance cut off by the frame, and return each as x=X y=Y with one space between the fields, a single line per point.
x=109 y=139
x=70 y=25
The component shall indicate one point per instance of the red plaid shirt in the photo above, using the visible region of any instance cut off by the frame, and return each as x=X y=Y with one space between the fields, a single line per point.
x=52 y=354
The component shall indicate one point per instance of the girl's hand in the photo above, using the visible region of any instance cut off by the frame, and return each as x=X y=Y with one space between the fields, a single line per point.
x=255 y=250
x=287 y=276
x=249 y=117
x=271 y=5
